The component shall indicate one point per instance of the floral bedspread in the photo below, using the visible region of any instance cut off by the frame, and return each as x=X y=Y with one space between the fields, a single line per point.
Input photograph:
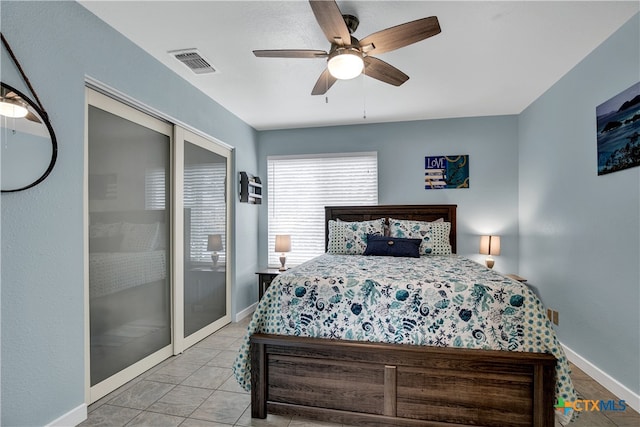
x=446 y=301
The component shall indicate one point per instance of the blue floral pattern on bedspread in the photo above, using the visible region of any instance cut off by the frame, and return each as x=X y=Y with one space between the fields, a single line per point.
x=446 y=301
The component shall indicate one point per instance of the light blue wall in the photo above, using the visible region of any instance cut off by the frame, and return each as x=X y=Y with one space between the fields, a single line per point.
x=488 y=206
x=580 y=232
x=58 y=43
x=576 y=239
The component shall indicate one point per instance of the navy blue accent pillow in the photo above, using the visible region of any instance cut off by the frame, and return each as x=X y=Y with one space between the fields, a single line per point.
x=392 y=246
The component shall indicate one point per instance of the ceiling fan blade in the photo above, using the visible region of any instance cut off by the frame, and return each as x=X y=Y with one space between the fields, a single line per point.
x=400 y=35
x=290 y=53
x=325 y=81
x=380 y=70
x=331 y=21
x=32 y=117
x=6 y=93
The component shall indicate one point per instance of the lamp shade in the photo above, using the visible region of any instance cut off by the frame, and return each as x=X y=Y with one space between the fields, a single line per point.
x=490 y=245
x=283 y=243
x=214 y=242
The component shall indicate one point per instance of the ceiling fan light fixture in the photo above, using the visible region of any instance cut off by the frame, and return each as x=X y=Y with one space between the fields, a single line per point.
x=12 y=108
x=345 y=64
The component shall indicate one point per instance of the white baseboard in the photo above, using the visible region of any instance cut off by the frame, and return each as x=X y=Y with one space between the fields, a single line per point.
x=619 y=390
x=79 y=414
x=71 y=418
x=245 y=313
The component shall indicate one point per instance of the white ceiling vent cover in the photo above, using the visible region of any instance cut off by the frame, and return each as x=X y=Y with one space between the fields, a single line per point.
x=192 y=59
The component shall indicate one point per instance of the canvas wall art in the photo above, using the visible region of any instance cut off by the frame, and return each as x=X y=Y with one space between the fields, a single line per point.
x=618 y=121
x=441 y=172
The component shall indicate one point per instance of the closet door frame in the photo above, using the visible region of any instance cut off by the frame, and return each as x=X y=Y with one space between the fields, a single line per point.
x=181 y=136
x=126 y=112
x=105 y=97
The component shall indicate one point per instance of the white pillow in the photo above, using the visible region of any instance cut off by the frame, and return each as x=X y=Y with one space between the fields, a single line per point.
x=105 y=230
x=434 y=235
x=350 y=238
x=139 y=237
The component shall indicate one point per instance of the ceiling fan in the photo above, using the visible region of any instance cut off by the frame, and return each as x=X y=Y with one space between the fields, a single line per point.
x=348 y=57
x=12 y=105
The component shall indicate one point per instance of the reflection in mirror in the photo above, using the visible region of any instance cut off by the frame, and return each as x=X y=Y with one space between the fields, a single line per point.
x=205 y=237
x=28 y=144
x=129 y=247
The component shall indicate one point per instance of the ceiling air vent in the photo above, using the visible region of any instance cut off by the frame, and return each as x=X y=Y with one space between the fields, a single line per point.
x=192 y=59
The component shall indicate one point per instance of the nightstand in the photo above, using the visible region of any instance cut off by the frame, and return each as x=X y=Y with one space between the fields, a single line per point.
x=516 y=277
x=265 y=277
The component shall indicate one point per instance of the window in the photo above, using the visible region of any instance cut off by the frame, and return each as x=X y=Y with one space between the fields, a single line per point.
x=204 y=198
x=299 y=187
x=206 y=208
x=155 y=188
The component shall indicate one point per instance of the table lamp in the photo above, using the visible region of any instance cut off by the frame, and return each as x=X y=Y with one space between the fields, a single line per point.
x=214 y=244
x=490 y=245
x=283 y=244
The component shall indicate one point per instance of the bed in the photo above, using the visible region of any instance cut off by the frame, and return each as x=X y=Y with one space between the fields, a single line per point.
x=436 y=340
x=128 y=267
x=112 y=272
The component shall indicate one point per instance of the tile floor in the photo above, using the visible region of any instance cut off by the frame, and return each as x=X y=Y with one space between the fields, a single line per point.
x=197 y=388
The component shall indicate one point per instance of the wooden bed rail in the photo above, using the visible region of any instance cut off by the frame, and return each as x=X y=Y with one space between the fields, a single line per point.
x=378 y=384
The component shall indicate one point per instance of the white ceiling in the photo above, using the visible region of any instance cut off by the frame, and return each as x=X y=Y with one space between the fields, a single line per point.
x=491 y=58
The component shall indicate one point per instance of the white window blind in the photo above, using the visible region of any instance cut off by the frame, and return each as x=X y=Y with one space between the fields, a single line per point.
x=204 y=202
x=155 y=184
x=299 y=187
x=204 y=197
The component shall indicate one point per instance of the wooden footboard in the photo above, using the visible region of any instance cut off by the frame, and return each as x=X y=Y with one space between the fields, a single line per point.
x=362 y=383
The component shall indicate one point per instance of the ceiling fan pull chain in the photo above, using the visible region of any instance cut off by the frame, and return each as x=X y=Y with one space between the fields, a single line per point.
x=326 y=89
x=364 y=94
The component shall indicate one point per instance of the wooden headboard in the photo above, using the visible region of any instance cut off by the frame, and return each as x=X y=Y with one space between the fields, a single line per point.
x=412 y=212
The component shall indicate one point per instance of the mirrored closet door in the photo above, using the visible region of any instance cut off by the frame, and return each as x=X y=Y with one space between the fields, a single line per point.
x=157 y=227
x=203 y=190
x=129 y=292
